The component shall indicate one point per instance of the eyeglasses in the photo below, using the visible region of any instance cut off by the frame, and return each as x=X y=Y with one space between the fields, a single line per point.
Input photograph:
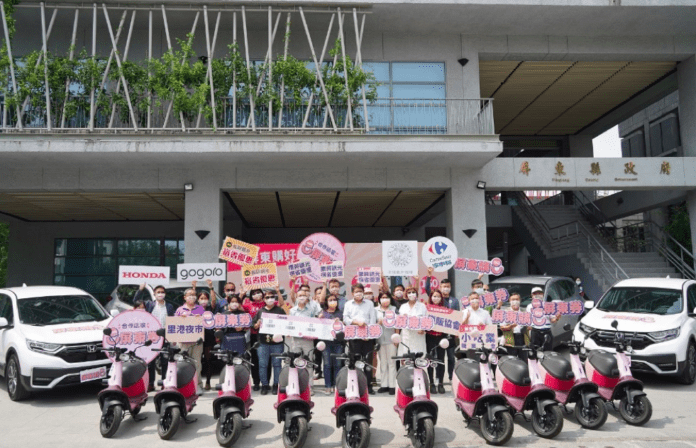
x=229 y=290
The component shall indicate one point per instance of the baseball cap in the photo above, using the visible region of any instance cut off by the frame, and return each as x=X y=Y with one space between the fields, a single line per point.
x=368 y=289
x=537 y=289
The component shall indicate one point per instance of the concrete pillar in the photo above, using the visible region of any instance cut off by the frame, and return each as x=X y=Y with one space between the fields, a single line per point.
x=466 y=209
x=686 y=76
x=203 y=212
x=581 y=145
x=519 y=260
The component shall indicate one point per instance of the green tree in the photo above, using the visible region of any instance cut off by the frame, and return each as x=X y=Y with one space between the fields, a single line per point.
x=679 y=227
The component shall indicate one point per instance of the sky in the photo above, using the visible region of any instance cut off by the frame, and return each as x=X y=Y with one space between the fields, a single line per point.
x=607 y=144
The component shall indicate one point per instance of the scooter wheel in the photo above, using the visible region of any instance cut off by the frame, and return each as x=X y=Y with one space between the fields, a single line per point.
x=168 y=423
x=229 y=429
x=549 y=424
x=295 y=434
x=639 y=413
x=110 y=421
x=499 y=430
x=592 y=416
x=358 y=436
x=424 y=435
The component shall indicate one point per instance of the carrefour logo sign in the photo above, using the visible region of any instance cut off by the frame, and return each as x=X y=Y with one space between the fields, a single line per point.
x=439 y=253
x=438 y=248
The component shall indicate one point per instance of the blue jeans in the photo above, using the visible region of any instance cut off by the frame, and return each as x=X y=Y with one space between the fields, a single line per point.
x=329 y=364
x=264 y=352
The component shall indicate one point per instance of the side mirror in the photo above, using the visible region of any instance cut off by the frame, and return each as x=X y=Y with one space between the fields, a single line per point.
x=589 y=304
x=396 y=338
x=340 y=337
x=277 y=338
x=566 y=327
x=107 y=331
x=113 y=312
x=444 y=343
x=615 y=324
x=148 y=343
x=4 y=323
x=321 y=346
x=161 y=332
x=219 y=334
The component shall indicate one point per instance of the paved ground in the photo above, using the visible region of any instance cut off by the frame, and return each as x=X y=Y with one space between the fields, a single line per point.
x=69 y=418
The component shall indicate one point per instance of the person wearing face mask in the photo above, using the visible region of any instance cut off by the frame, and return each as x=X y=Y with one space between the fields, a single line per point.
x=252 y=307
x=302 y=308
x=414 y=339
x=449 y=300
x=195 y=350
x=432 y=341
x=387 y=349
x=335 y=289
x=318 y=302
x=538 y=334
x=267 y=346
x=361 y=313
x=160 y=309
x=208 y=339
x=331 y=311
x=475 y=315
x=513 y=334
x=234 y=337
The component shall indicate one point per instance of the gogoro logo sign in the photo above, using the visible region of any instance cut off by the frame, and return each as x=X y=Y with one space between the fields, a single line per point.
x=439 y=253
x=136 y=275
x=201 y=271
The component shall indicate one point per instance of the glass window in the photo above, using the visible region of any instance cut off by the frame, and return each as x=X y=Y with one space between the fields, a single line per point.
x=523 y=289
x=418 y=72
x=664 y=134
x=418 y=91
x=139 y=247
x=637 y=142
x=655 y=140
x=54 y=310
x=642 y=300
x=6 y=308
x=567 y=289
x=691 y=298
x=379 y=69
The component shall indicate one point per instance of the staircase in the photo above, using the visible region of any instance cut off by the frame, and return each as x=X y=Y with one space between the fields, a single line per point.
x=563 y=241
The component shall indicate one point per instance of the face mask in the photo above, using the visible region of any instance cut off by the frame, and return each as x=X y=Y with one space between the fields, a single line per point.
x=479 y=291
x=369 y=297
x=474 y=304
x=412 y=297
x=302 y=299
x=229 y=293
x=203 y=303
x=333 y=290
x=399 y=294
x=160 y=296
x=257 y=296
x=385 y=302
x=578 y=282
x=234 y=306
x=537 y=296
x=358 y=295
x=190 y=299
x=515 y=304
x=333 y=304
x=270 y=302
x=446 y=290
x=437 y=299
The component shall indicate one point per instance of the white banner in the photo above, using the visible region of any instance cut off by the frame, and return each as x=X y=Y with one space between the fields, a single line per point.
x=137 y=275
x=187 y=272
x=297 y=326
x=399 y=258
x=439 y=253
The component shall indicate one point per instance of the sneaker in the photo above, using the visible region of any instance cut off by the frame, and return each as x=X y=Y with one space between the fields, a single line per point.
x=382 y=390
x=275 y=389
x=433 y=389
x=207 y=385
x=264 y=390
x=256 y=387
x=441 y=389
x=392 y=391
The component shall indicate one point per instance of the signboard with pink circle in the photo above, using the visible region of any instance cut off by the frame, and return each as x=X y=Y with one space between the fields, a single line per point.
x=130 y=330
x=321 y=248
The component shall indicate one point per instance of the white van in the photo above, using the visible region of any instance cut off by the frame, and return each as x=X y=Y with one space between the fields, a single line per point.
x=657 y=314
x=50 y=336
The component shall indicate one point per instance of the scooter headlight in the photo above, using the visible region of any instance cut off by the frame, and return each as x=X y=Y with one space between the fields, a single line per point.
x=178 y=357
x=583 y=351
x=540 y=354
x=493 y=359
x=124 y=357
x=422 y=363
x=237 y=361
x=359 y=365
x=300 y=363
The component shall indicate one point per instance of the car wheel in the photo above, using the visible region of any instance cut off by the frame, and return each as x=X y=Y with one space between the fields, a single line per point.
x=688 y=376
x=13 y=380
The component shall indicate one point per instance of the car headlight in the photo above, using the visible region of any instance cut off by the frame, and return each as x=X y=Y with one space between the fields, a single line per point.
x=586 y=328
x=44 y=347
x=662 y=336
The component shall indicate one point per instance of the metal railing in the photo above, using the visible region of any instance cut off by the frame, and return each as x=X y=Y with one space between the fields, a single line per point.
x=569 y=237
x=389 y=116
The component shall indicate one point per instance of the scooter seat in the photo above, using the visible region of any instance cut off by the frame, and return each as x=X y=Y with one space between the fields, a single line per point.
x=132 y=372
x=342 y=382
x=604 y=362
x=557 y=366
x=515 y=370
x=468 y=373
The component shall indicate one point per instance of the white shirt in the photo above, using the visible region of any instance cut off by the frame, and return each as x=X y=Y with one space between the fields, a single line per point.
x=160 y=312
x=547 y=317
x=364 y=310
x=478 y=317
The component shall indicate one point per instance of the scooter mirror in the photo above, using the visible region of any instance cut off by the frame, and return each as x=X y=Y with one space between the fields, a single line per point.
x=277 y=338
x=396 y=338
x=255 y=346
x=161 y=332
x=589 y=304
x=113 y=312
x=107 y=331
x=321 y=346
x=148 y=343
x=444 y=343
x=216 y=347
x=615 y=324
x=219 y=334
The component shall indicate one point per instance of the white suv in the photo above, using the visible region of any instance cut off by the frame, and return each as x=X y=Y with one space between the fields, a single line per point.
x=657 y=314
x=50 y=336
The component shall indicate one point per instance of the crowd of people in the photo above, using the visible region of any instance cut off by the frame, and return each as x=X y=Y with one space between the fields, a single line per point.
x=361 y=305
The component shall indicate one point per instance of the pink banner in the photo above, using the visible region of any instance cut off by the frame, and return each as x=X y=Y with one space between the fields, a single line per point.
x=130 y=329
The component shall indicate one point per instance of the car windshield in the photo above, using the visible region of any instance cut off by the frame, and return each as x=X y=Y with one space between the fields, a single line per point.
x=642 y=300
x=523 y=289
x=54 y=310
